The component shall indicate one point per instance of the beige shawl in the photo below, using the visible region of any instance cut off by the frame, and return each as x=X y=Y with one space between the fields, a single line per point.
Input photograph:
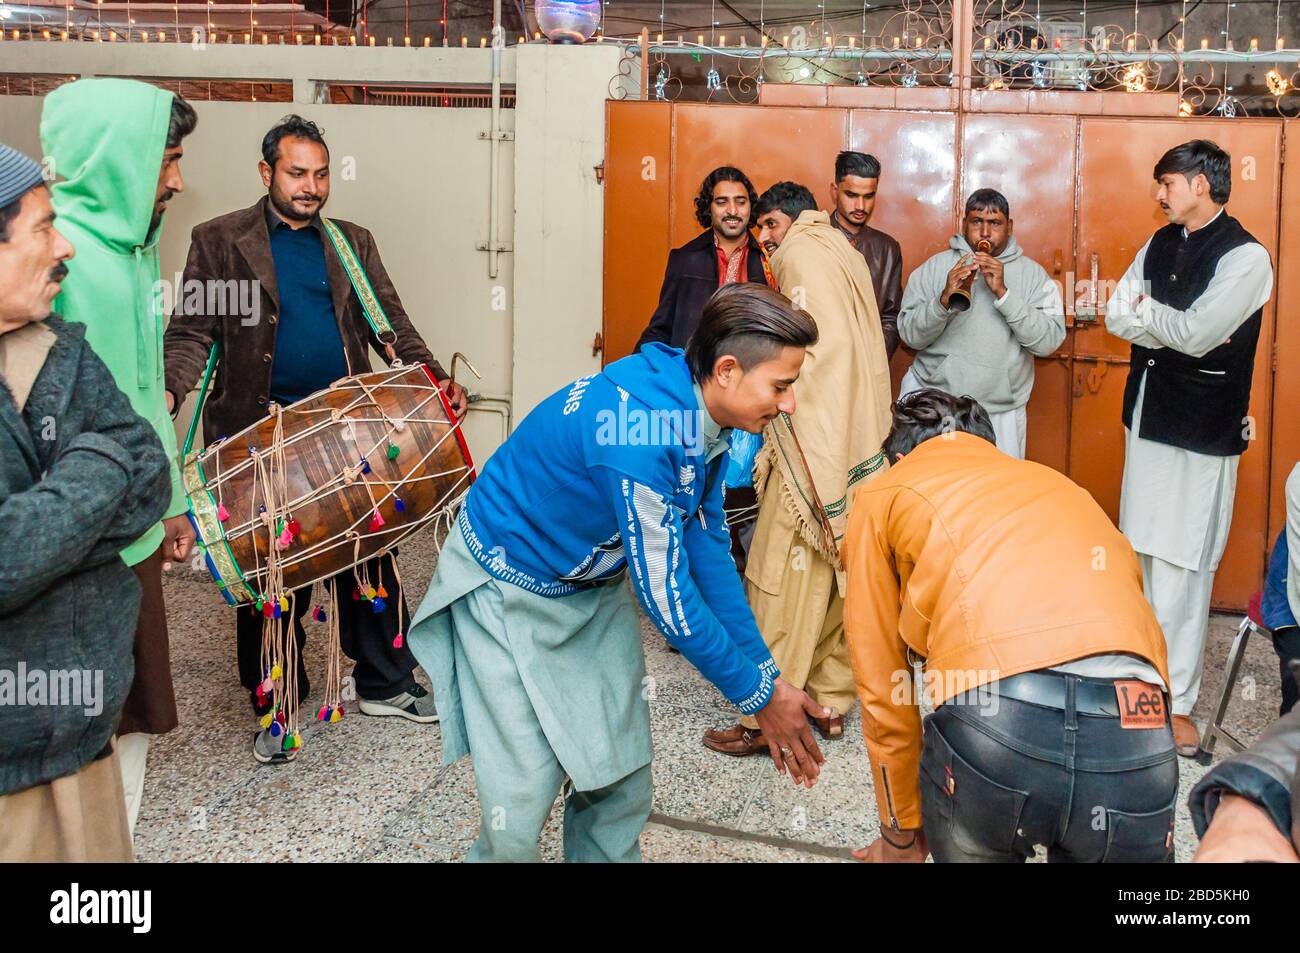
x=842 y=396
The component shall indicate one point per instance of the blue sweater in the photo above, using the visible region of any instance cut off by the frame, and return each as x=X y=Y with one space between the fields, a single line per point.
x=308 y=346
x=612 y=472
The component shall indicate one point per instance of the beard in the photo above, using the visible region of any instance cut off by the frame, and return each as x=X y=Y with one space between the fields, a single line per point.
x=284 y=205
x=729 y=228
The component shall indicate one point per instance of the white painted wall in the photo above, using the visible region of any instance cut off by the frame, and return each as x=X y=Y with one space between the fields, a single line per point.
x=559 y=213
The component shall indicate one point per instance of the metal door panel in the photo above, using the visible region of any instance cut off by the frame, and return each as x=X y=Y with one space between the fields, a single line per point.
x=638 y=176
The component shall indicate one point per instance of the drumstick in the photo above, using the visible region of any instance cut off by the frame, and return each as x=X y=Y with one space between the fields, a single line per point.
x=461 y=357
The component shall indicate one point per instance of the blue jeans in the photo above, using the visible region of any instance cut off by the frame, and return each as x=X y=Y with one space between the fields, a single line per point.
x=996 y=780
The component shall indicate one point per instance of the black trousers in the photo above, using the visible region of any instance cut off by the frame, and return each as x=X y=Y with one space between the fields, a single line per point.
x=381 y=672
x=999 y=776
x=1286 y=641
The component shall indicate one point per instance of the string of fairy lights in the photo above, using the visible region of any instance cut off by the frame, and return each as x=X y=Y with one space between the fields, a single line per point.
x=1014 y=44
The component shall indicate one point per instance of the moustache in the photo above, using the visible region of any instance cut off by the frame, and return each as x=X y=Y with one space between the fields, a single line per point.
x=58 y=272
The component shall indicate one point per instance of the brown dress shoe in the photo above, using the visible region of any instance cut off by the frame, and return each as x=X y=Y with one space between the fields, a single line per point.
x=829 y=728
x=1187 y=740
x=737 y=741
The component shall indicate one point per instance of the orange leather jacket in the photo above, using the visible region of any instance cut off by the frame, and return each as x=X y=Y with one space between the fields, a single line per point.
x=986 y=567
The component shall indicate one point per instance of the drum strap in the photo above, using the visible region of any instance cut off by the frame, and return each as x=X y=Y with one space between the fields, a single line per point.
x=370 y=305
x=203 y=396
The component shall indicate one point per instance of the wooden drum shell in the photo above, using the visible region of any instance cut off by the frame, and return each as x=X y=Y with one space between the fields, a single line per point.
x=325 y=437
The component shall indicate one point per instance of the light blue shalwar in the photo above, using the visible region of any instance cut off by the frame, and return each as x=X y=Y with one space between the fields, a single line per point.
x=538 y=689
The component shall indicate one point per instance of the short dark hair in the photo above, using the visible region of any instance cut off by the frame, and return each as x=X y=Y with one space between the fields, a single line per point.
x=856 y=163
x=1200 y=157
x=988 y=200
x=723 y=173
x=295 y=127
x=182 y=122
x=930 y=412
x=790 y=197
x=749 y=321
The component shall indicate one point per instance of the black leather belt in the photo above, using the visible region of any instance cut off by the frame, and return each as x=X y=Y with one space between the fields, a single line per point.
x=1092 y=696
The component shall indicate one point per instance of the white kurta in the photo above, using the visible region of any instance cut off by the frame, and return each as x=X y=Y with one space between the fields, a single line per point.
x=1010 y=427
x=1176 y=504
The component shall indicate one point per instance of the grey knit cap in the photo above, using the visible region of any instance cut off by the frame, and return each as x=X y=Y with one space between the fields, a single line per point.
x=18 y=174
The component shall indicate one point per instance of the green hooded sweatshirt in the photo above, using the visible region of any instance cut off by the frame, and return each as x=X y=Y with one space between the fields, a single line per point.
x=106 y=138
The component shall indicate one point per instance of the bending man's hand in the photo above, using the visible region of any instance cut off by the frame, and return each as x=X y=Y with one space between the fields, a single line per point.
x=784 y=723
x=913 y=849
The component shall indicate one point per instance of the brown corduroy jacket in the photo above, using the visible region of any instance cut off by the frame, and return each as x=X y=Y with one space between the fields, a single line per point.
x=985 y=566
x=237 y=247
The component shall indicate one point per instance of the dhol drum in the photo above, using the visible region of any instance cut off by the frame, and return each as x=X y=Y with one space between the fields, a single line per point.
x=321 y=485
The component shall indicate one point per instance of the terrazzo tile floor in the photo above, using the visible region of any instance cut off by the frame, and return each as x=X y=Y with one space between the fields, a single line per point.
x=373 y=789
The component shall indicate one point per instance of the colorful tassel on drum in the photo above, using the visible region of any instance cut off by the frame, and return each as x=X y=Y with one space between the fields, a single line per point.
x=356 y=594
x=270 y=609
x=338 y=713
x=318 y=613
x=284 y=540
x=376 y=521
x=365 y=465
x=398 y=504
x=275 y=672
x=370 y=593
x=397 y=641
x=294 y=526
x=276 y=729
x=383 y=593
x=324 y=713
x=267 y=721
x=223 y=514
x=393 y=451
x=377 y=606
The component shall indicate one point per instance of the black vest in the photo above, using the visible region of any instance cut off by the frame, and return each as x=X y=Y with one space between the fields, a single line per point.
x=1196 y=403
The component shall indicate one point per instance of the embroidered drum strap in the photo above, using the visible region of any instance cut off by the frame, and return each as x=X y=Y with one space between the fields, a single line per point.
x=203 y=396
x=370 y=305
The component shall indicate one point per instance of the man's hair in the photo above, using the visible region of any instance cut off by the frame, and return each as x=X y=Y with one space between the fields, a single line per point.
x=856 y=163
x=295 y=127
x=749 y=321
x=10 y=212
x=725 y=173
x=790 y=197
x=988 y=200
x=1200 y=157
x=930 y=412
x=182 y=122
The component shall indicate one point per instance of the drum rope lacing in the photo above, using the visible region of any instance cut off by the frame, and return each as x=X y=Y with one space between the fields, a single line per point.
x=275 y=512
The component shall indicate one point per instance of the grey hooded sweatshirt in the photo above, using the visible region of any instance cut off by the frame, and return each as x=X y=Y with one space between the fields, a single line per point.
x=988 y=351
